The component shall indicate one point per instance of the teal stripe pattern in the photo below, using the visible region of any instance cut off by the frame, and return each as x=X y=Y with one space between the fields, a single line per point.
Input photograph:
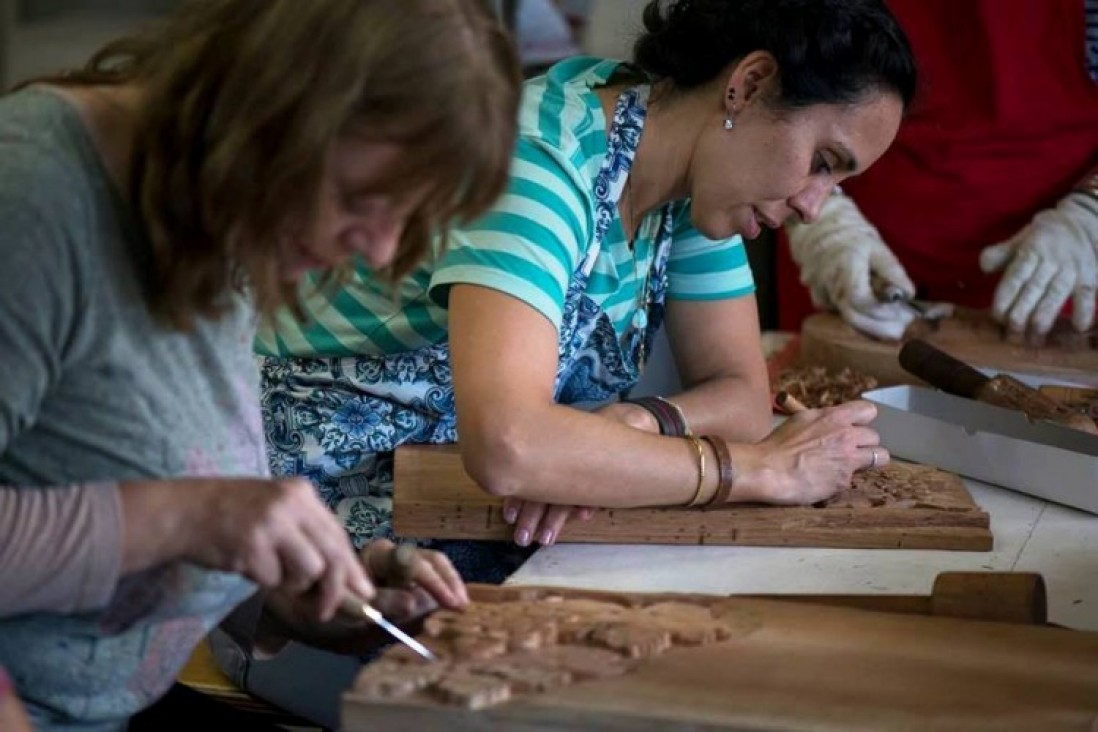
x=528 y=246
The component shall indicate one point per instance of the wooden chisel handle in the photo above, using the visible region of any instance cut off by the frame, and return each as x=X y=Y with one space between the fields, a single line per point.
x=1012 y=597
x=938 y=368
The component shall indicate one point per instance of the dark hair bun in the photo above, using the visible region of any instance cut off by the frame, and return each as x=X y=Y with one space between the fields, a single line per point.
x=828 y=51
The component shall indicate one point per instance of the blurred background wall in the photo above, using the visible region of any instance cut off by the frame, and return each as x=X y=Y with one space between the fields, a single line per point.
x=32 y=10
x=41 y=36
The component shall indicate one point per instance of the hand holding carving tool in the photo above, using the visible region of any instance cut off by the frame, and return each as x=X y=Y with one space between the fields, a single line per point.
x=886 y=291
x=356 y=608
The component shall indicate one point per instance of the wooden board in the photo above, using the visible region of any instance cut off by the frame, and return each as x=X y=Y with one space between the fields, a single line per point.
x=783 y=666
x=970 y=336
x=901 y=507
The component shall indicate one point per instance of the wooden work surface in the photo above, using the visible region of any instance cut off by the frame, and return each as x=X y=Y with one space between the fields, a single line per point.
x=789 y=666
x=901 y=507
x=970 y=336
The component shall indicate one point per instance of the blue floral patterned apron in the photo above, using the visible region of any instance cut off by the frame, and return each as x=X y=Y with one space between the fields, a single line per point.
x=336 y=421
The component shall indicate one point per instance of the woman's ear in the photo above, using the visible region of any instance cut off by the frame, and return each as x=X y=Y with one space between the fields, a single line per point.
x=751 y=78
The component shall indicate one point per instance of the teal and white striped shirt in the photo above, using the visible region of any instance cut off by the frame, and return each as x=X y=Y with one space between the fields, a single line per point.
x=528 y=246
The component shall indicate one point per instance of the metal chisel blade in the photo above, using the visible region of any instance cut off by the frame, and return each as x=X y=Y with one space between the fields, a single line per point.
x=365 y=609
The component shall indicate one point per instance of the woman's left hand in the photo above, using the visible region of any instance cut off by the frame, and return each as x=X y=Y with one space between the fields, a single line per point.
x=540 y=522
x=406 y=567
x=405 y=595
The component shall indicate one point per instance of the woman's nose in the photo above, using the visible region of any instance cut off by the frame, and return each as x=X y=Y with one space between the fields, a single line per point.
x=376 y=241
x=809 y=200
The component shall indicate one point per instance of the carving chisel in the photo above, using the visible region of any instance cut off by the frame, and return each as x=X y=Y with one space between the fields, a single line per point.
x=359 y=609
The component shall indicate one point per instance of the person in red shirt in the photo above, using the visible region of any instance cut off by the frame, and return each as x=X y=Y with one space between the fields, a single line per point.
x=989 y=196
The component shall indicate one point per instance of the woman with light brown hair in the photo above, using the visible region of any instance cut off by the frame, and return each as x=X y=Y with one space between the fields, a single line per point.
x=151 y=205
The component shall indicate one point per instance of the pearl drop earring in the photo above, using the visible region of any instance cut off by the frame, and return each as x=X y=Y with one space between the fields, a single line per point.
x=728 y=123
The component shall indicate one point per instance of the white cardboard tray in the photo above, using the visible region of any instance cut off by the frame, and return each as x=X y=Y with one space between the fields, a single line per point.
x=989 y=443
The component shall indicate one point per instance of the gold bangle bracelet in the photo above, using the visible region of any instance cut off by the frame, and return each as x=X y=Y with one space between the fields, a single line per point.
x=701 y=471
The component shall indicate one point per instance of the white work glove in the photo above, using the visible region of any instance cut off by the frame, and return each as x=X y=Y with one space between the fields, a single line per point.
x=1052 y=259
x=837 y=255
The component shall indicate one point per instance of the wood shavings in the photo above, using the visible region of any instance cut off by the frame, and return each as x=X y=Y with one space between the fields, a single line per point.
x=816 y=387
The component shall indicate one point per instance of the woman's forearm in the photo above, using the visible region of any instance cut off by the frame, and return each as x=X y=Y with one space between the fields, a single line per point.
x=156 y=514
x=59 y=548
x=561 y=455
x=515 y=441
x=64 y=549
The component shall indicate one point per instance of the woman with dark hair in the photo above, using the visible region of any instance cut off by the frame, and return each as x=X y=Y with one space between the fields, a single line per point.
x=631 y=185
x=149 y=204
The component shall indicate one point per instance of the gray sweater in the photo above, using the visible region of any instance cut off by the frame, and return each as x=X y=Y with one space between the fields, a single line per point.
x=93 y=391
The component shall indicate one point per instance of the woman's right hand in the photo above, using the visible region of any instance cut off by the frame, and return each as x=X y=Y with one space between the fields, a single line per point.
x=810 y=457
x=840 y=255
x=409 y=588
x=276 y=533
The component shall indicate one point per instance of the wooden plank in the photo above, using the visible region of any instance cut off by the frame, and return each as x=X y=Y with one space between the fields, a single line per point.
x=792 y=666
x=970 y=336
x=1009 y=597
x=434 y=498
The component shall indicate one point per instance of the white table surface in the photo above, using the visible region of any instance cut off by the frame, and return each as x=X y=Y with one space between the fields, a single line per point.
x=1030 y=535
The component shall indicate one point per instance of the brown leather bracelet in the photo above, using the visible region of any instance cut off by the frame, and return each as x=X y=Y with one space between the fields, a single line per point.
x=726 y=471
x=669 y=417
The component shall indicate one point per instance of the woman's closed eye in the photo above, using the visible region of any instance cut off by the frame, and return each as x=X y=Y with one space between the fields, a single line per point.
x=360 y=204
x=821 y=165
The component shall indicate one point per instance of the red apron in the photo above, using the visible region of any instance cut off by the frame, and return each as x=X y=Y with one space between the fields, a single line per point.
x=1006 y=121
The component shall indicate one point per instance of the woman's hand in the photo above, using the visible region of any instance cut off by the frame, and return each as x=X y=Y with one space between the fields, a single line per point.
x=542 y=522
x=840 y=256
x=409 y=588
x=405 y=567
x=1052 y=260
x=810 y=457
x=276 y=533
